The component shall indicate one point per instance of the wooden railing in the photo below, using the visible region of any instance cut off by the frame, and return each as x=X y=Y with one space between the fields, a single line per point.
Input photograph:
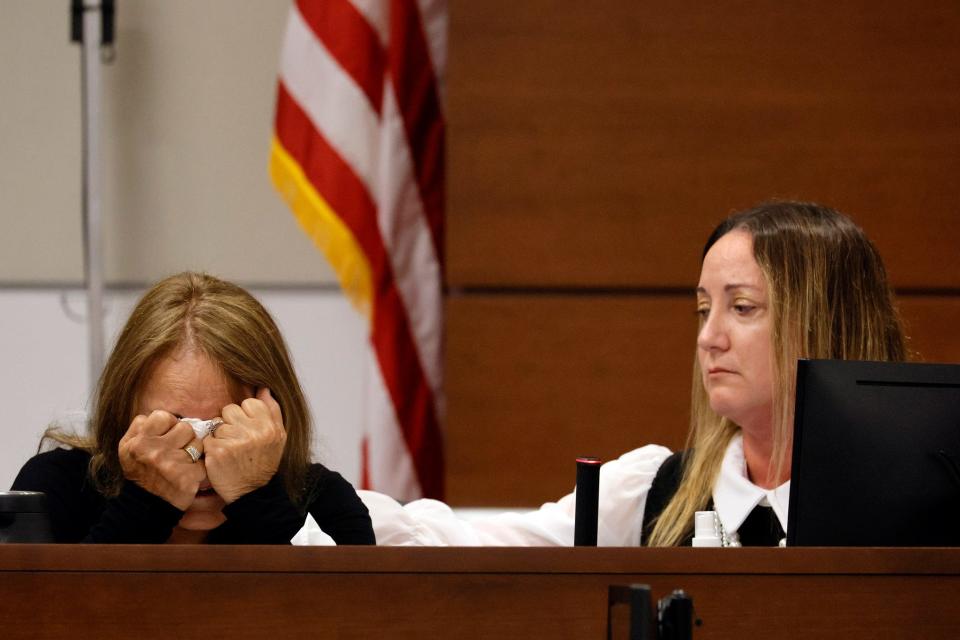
x=140 y=592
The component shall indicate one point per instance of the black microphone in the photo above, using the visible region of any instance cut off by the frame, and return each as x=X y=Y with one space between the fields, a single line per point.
x=588 y=498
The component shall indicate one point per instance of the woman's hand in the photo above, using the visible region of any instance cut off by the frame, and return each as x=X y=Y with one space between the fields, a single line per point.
x=245 y=451
x=152 y=455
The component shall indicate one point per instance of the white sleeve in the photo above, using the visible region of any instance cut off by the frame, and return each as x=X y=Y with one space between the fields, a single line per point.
x=624 y=484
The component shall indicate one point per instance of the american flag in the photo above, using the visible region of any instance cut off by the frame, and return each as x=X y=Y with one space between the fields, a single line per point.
x=358 y=153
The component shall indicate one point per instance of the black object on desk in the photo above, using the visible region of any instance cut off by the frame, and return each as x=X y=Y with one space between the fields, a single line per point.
x=876 y=455
x=588 y=499
x=24 y=517
x=630 y=614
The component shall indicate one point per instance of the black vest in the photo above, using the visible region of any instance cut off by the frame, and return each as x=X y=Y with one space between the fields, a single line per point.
x=760 y=529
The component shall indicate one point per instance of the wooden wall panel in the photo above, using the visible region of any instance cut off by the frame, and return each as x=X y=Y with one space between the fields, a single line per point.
x=598 y=144
x=932 y=324
x=535 y=381
x=594 y=147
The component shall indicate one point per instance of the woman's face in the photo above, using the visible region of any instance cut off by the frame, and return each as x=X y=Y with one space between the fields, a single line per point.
x=733 y=345
x=189 y=385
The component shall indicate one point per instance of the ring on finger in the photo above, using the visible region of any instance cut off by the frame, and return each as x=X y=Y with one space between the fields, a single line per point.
x=193 y=452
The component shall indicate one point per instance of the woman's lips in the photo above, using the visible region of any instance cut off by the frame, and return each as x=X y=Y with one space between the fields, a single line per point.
x=718 y=370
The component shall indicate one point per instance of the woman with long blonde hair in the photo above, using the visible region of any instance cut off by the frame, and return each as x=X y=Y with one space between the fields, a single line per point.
x=781 y=281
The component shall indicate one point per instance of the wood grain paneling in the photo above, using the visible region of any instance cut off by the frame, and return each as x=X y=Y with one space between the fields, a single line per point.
x=535 y=381
x=598 y=146
x=932 y=324
x=240 y=592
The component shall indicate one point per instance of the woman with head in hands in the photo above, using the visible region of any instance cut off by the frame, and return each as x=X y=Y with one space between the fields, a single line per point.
x=196 y=352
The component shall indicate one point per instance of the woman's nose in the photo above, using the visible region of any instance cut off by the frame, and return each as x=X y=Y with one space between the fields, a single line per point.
x=712 y=336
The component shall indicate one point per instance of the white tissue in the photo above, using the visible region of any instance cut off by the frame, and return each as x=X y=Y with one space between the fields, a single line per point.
x=202 y=428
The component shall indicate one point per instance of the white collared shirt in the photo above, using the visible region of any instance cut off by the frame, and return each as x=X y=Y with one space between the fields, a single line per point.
x=734 y=496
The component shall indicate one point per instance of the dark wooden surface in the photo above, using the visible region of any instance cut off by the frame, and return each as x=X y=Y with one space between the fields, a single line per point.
x=592 y=148
x=598 y=146
x=254 y=592
x=535 y=381
x=931 y=324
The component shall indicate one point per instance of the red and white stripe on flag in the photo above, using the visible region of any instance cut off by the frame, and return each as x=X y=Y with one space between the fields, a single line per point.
x=358 y=154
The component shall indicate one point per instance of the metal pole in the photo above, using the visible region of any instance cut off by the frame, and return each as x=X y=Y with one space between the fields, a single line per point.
x=91 y=37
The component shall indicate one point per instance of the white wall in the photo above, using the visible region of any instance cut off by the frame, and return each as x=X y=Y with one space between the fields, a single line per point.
x=43 y=347
x=188 y=108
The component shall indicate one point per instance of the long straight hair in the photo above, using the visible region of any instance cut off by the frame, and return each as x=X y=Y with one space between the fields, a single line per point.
x=829 y=298
x=223 y=322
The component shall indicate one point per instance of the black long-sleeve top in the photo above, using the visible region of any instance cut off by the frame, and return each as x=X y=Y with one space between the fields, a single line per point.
x=80 y=513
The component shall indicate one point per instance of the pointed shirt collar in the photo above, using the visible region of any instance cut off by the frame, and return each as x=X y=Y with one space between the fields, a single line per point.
x=734 y=496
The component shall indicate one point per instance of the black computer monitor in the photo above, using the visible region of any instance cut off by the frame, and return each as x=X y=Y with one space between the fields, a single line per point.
x=876 y=455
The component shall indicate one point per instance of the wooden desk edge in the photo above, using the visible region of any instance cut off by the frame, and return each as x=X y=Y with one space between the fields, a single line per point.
x=480 y=560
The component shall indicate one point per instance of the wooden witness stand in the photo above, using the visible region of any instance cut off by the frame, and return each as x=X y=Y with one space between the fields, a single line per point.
x=295 y=592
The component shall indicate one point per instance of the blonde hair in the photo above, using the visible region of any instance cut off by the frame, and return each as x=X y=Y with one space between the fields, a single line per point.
x=829 y=298
x=227 y=325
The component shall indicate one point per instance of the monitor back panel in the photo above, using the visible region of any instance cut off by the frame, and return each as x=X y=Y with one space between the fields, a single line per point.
x=876 y=455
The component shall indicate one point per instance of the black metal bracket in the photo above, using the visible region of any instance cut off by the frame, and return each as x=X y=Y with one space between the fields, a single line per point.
x=108 y=14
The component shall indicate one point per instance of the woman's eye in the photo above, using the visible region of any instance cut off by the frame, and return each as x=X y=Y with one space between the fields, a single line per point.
x=703 y=312
x=744 y=309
